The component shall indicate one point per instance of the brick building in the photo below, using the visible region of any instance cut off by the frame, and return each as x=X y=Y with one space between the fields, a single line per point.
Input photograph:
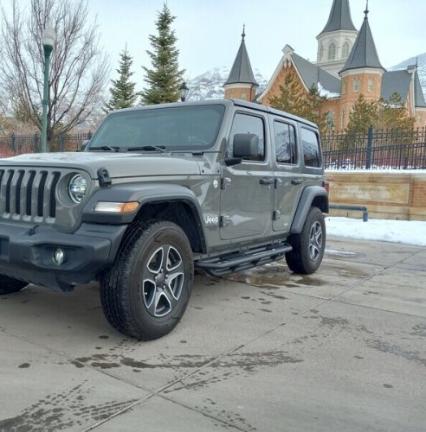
x=347 y=65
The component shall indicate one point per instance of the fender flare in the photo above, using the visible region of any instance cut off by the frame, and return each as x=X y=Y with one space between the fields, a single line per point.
x=305 y=203
x=144 y=194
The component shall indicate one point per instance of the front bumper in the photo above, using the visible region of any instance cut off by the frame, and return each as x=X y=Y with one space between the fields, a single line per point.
x=26 y=253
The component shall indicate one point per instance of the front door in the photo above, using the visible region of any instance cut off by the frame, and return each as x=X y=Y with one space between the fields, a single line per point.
x=289 y=182
x=247 y=188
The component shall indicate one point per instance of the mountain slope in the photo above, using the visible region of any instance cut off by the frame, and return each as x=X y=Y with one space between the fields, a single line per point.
x=421 y=61
x=209 y=85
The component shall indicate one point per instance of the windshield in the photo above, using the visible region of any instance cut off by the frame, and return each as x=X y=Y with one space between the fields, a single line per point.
x=177 y=128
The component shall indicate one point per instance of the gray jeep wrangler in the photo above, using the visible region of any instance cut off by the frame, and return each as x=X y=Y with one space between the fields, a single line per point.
x=221 y=186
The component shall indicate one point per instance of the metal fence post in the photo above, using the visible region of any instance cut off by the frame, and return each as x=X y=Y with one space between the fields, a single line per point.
x=61 y=142
x=369 y=156
x=13 y=142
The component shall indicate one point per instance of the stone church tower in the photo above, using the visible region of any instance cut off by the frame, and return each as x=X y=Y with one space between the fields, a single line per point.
x=241 y=83
x=335 y=42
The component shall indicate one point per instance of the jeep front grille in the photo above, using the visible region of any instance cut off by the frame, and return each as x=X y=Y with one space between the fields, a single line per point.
x=28 y=194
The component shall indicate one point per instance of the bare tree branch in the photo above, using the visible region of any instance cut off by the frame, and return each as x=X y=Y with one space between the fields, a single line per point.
x=78 y=71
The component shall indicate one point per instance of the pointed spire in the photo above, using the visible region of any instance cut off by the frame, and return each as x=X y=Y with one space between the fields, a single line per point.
x=364 y=52
x=340 y=17
x=366 y=12
x=241 y=72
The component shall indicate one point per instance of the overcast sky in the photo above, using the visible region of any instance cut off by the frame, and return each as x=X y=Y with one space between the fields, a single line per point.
x=209 y=30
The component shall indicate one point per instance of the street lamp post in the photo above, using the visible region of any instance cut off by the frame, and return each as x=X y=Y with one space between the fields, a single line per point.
x=48 y=40
x=184 y=90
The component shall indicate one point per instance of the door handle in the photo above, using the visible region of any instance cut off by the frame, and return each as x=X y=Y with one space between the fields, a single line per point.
x=267 y=181
x=296 y=181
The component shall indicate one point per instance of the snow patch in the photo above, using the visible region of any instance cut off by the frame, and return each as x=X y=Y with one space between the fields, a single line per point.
x=377 y=171
x=209 y=85
x=395 y=231
x=326 y=93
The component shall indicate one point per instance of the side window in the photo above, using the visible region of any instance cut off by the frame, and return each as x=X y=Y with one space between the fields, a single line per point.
x=244 y=123
x=285 y=143
x=311 y=148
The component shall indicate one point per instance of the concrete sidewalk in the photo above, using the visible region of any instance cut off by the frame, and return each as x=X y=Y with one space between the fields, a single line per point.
x=342 y=350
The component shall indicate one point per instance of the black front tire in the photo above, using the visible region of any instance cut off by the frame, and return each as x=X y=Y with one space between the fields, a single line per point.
x=9 y=285
x=147 y=290
x=309 y=245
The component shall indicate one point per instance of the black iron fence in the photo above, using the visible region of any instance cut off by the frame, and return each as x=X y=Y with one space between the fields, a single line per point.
x=376 y=150
x=15 y=144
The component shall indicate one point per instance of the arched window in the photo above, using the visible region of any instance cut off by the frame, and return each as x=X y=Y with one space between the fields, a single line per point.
x=345 y=50
x=332 y=51
x=321 y=52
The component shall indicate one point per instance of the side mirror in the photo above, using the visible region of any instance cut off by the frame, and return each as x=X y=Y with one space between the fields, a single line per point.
x=84 y=145
x=246 y=146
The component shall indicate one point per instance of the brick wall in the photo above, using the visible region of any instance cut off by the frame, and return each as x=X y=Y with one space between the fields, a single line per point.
x=387 y=196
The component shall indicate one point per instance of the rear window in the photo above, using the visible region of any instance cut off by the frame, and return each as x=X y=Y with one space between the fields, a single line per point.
x=311 y=148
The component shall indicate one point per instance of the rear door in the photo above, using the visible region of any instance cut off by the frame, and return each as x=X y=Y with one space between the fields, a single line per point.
x=247 y=188
x=288 y=180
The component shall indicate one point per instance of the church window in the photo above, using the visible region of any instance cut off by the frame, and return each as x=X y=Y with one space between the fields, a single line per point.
x=332 y=51
x=345 y=50
x=330 y=120
x=370 y=85
x=356 y=85
x=321 y=52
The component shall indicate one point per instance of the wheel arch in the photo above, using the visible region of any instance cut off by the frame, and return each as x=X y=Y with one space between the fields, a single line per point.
x=174 y=203
x=312 y=196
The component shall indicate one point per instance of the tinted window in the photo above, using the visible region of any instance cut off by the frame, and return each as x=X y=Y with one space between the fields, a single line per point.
x=243 y=124
x=311 y=148
x=285 y=143
x=177 y=128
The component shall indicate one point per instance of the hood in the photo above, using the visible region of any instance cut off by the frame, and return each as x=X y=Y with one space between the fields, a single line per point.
x=117 y=164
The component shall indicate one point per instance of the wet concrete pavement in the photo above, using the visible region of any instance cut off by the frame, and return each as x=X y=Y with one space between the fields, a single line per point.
x=342 y=350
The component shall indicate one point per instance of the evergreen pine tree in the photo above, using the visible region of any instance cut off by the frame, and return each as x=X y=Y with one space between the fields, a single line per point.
x=363 y=115
x=165 y=77
x=394 y=115
x=294 y=99
x=123 y=90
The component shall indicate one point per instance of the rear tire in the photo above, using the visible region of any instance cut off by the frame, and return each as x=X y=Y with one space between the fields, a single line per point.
x=9 y=285
x=309 y=245
x=146 y=292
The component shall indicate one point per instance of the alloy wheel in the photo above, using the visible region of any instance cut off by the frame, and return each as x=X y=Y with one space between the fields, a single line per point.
x=163 y=279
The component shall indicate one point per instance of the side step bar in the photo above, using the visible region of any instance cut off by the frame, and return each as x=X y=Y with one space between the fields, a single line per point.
x=224 y=264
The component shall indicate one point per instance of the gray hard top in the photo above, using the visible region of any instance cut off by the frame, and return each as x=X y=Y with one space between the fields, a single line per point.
x=227 y=103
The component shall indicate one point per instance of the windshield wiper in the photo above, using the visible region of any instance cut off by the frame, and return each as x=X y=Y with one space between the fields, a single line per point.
x=106 y=148
x=161 y=149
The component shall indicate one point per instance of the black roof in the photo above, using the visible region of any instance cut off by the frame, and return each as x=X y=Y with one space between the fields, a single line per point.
x=340 y=17
x=241 y=71
x=364 y=52
x=312 y=75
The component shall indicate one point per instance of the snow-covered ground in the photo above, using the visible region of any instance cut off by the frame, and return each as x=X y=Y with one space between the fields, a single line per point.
x=378 y=171
x=408 y=232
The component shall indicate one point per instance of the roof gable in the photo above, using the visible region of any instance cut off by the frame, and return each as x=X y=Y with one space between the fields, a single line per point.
x=340 y=17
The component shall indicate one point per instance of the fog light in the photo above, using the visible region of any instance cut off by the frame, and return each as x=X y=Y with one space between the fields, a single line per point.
x=59 y=257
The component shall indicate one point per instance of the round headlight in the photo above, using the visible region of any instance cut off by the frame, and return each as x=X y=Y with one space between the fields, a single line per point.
x=77 y=188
